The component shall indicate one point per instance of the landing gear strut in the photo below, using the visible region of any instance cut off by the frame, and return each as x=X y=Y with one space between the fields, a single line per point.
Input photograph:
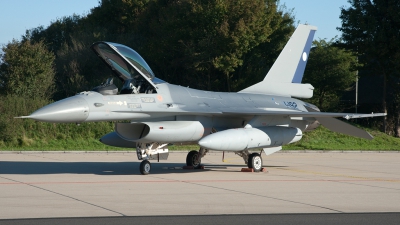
x=245 y=155
x=148 y=151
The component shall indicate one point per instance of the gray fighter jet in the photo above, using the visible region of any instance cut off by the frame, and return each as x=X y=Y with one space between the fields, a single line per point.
x=264 y=116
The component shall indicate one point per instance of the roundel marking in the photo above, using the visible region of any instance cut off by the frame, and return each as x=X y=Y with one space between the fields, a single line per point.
x=304 y=56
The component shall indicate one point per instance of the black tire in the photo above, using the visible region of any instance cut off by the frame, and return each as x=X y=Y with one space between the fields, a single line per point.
x=256 y=162
x=249 y=160
x=192 y=159
x=145 y=167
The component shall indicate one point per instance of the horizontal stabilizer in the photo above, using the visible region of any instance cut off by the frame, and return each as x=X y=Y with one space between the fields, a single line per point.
x=344 y=128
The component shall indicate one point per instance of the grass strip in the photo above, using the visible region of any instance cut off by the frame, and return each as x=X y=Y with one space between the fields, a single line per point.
x=319 y=139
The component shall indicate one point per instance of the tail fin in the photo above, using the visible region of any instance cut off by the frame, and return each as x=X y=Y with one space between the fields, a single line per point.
x=285 y=75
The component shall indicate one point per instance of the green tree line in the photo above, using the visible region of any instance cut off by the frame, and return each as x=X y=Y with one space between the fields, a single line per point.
x=212 y=45
x=372 y=30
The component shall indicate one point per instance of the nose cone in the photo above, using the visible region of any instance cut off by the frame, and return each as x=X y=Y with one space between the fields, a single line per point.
x=70 y=110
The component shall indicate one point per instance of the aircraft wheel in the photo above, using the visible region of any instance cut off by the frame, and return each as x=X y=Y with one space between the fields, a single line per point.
x=256 y=162
x=250 y=160
x=145 y=167
x=192 y=159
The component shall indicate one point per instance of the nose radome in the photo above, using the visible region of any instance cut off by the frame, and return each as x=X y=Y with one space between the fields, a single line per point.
x=70 y=110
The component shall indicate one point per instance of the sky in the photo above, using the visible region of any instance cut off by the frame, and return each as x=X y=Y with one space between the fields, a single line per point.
x=17 y=16
x=323 y=14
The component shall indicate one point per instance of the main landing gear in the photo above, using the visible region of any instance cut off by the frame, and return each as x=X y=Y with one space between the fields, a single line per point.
x=252 y=160
x=193 y=158
x=255 y=161
x=158 y=151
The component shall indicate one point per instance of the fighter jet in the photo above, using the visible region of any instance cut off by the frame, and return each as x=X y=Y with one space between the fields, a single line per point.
x=264 y=116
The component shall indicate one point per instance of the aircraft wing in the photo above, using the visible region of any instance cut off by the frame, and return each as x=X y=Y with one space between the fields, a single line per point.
x=345 y=128
x=325 y=118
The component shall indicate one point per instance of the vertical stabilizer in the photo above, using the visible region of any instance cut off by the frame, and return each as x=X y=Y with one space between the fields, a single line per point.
x=284 y=77
x=290 y=65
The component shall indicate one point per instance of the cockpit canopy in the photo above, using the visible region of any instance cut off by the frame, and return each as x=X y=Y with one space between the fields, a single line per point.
x=128 y=66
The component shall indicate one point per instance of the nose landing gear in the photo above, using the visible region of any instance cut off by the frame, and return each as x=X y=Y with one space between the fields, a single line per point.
x=145 y=167
x=148 y=151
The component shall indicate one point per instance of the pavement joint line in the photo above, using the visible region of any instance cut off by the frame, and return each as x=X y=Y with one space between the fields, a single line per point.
x=252 y=194
x=79 y=200
x=340 y=175
x=336 y=167
x=349 y=181
x=365 y=185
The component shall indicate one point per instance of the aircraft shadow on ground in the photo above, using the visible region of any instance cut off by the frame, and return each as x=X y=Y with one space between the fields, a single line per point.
x=103 y=168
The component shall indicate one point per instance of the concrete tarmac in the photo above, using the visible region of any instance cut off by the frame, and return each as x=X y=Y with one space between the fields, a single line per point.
x=54 y=185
